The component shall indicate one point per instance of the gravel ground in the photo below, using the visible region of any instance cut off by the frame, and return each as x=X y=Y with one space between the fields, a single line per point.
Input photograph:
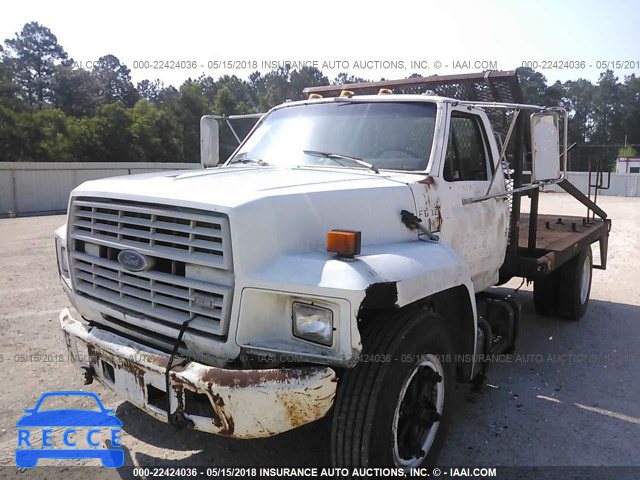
x=569 y=399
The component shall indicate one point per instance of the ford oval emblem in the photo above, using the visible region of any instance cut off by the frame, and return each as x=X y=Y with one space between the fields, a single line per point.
x=131 y=260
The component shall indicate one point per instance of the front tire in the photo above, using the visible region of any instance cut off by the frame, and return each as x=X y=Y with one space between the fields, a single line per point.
x=394 y=407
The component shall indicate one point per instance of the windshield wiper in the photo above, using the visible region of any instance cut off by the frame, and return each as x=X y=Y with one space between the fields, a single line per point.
x=337 y=156
x=259 y=161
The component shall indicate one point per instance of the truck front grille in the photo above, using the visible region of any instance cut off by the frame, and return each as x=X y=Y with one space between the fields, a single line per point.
x=189 y=273
x=188 y=236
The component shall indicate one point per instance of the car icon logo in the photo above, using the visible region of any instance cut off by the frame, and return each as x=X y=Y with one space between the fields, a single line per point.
x=64 y=427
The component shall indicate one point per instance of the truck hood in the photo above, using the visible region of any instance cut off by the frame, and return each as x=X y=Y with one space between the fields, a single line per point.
x=231 y=186
x=277 y=211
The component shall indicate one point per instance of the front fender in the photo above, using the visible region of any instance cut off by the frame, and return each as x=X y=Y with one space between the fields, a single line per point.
x=417 y=269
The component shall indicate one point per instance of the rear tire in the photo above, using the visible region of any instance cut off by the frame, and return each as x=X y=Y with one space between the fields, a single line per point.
x=396 y=403
x=575 y=285
x=546 y=294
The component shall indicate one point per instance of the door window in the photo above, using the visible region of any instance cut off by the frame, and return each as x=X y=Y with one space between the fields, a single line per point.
x=466 y=158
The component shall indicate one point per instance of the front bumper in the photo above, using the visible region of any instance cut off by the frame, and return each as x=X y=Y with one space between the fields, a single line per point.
x=233 y=403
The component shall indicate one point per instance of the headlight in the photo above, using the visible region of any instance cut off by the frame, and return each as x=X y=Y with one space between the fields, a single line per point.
x=313 y=323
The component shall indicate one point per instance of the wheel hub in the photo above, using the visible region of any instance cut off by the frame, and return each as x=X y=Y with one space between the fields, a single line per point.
x=418 y=412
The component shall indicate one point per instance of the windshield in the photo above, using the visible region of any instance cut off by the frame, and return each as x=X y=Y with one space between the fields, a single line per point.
x=391 y=135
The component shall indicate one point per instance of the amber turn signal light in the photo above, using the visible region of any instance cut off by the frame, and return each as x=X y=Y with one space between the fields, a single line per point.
x=346 y=243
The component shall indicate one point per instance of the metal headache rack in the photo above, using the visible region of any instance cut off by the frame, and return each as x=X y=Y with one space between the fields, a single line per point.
x=538 y=244
x=491 y=86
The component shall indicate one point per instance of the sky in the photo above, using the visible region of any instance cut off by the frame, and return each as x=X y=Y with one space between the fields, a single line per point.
x=172 y=41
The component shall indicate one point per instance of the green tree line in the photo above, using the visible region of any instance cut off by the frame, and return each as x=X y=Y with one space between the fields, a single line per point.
x=53 y=109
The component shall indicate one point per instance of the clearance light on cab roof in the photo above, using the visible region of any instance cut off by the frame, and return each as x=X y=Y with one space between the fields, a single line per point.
x=346 y=93
x=346 y=243
x=314 y=96
x=385 y=91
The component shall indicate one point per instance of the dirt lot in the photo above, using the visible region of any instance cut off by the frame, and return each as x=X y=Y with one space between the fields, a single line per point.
x=569 y=399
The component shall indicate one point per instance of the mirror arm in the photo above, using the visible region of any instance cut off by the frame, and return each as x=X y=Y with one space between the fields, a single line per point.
x=467 y=201
x=503 y=149
x=226 y=119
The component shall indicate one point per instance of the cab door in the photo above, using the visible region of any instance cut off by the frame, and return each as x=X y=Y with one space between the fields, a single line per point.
x=477 y=230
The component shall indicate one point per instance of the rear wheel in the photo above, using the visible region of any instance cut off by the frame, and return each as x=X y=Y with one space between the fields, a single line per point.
x=393 y=408
x=546 y=294
x=575 y=287
x=566 y=291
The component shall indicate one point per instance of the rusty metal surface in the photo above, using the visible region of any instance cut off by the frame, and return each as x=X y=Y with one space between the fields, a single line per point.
x=560 y=236
x=557 y=243
x=245 y=403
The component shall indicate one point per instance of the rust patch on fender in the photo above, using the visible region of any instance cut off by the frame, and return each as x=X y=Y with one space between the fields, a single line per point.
x=438 y=219
x=428 y=181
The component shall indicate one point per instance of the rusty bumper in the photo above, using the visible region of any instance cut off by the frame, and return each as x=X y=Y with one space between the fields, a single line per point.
x=233 y=403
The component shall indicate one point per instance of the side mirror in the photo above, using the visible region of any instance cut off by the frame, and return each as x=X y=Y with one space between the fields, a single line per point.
x=545 y=146
x=209 y=141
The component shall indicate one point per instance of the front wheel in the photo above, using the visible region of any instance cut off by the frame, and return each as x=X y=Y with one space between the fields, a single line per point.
x=393 y=408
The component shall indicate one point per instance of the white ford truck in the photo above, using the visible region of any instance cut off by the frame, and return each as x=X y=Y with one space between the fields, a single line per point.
x=339 y=262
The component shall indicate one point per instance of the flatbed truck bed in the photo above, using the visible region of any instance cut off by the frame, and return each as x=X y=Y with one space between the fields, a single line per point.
x=558 y=238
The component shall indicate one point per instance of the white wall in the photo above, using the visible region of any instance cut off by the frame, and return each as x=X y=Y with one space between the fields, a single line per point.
x=38 y=187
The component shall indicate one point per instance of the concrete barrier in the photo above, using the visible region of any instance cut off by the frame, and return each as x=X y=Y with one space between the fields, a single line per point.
x=38 y=187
